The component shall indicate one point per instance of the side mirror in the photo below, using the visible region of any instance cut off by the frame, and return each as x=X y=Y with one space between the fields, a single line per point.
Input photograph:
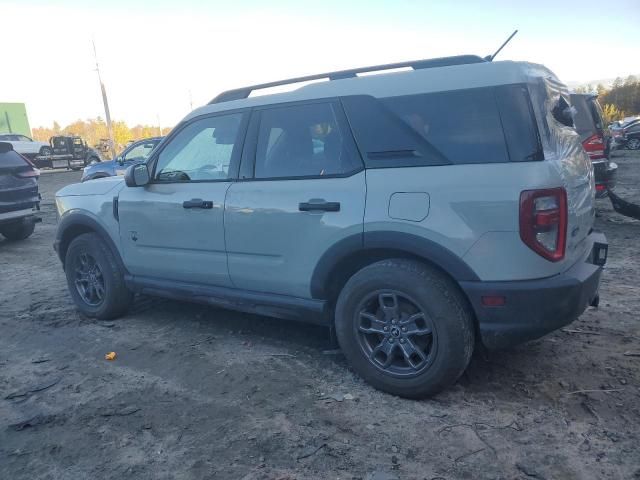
x=120 y=160
x=136 y=175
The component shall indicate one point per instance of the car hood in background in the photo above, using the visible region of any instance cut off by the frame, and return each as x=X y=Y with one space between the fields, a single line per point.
x=100 y=186
x=28 y=147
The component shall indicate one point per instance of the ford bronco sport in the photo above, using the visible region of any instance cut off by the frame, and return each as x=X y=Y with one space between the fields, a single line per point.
x=417 y=213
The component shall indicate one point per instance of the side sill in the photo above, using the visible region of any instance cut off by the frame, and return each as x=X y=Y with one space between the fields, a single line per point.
x=268 y=304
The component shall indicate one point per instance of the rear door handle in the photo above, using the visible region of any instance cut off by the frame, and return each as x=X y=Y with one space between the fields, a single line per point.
x=319 y=206
x=197 y=203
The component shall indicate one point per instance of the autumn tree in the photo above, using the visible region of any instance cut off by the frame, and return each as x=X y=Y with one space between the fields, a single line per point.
x=93 y=130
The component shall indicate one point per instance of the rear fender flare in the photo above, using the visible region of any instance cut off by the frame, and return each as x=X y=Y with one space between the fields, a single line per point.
x=413 y=245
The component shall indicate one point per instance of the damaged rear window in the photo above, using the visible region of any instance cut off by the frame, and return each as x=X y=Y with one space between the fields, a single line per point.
x=562 y=112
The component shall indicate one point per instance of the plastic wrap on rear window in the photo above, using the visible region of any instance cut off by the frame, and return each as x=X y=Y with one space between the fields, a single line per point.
x=561 y=143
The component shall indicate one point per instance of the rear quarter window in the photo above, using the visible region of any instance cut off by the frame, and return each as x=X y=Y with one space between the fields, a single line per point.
x=463 y=125
x=518 y=123
x=480 y=125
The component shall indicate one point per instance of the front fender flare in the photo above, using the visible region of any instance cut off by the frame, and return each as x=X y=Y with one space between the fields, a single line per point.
x=79 y=220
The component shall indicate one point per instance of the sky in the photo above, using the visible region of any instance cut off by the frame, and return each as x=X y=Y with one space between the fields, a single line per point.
x=157 y=58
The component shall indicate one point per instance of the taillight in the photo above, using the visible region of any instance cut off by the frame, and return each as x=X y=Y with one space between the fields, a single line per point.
x=543 y=222
x=32 y=172
x=27 y=160
x=594 y=146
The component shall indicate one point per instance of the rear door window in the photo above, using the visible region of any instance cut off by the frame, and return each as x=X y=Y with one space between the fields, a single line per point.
x=303 y=141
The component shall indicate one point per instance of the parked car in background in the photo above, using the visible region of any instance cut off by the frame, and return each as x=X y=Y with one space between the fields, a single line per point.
x=26 y=146
x=354 y=204
x=596 y=139
x=67 y=151
x=630 y=136
x=137 y=152
x=19 y=197
x=618 y=130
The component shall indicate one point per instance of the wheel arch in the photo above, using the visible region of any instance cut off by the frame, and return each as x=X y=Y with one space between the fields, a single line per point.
x=353 y=253
x=76 y=223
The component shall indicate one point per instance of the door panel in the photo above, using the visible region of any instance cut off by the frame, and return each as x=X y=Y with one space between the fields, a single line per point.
x=305 y=191
x=160 y=238
x=173 y=228
x=274 y=247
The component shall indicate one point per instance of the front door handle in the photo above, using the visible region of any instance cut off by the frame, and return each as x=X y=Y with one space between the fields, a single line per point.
x=197 y=203
x=319 y=206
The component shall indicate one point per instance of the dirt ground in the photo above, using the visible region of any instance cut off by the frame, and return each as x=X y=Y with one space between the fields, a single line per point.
x=197 y=392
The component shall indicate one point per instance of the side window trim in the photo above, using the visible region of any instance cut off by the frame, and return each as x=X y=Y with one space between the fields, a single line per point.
x=238 y=148
x=248 y=162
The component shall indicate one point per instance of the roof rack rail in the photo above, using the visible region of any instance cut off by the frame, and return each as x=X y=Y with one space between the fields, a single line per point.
x=244 y=92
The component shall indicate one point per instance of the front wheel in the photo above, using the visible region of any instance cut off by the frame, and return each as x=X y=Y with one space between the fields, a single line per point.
x=46 y=152
x=95 y=279
x=405 y=327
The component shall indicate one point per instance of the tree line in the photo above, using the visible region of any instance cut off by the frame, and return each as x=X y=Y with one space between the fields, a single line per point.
x=94 y=130
x=621 y=100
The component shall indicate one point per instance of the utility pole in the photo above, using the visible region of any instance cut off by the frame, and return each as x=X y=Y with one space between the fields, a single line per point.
x=106 y=104
x=190 y=100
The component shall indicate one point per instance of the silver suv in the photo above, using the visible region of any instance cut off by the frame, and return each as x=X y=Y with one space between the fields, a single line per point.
x=417 y=213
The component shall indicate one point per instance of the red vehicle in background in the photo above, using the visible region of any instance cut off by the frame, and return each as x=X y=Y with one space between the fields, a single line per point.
x=596 y=139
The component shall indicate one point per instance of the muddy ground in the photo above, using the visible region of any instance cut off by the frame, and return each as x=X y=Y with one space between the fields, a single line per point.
x=197 y=392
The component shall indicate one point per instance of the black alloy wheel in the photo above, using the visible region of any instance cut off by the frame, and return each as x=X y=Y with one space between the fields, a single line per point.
x=395 y=334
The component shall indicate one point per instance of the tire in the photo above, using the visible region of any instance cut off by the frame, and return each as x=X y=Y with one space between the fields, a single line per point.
x=20 y=230
x=46 y=152
x=91 y=251
x=633 y=144
x=425 y=300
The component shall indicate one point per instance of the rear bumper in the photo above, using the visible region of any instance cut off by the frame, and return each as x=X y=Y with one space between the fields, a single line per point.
x=9 y=218
x=534 y=308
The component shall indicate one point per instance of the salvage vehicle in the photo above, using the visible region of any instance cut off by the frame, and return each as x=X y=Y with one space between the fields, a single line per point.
x=67 y=151
x=596 y=139
x=618 y=132
x=136 y=152
x=352 y=203
x=19 y=197
x=25 y=146
x=630 y=136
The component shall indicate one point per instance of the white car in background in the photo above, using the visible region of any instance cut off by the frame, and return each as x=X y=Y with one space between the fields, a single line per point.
x=26 y=146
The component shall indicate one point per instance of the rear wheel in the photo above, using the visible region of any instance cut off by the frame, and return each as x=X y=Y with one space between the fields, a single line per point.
x=405 y=327
x=19 y=230
x=95 y=279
